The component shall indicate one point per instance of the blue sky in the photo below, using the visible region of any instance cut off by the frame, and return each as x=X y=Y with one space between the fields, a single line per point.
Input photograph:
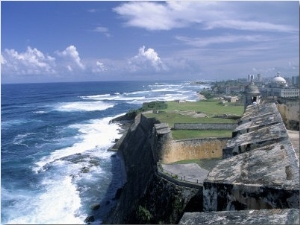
x=179 y=40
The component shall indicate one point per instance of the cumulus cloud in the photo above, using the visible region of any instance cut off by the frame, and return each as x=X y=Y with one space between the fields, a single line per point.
x=71 y=57
x=32 y=61
x=147 y=60
x=207 y=15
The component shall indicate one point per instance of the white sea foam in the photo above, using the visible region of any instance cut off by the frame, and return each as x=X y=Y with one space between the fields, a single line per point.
x=112 y=97
x=58 y=203
x=59 y=200
x=96 y=134
x=40 y=112
x=83 y=106
x=18 y=140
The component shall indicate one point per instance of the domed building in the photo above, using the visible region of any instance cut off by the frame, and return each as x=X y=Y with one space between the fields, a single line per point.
x=278 y=82
x=278 y=88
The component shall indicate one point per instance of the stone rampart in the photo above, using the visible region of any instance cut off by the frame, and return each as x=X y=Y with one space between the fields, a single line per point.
x=147 y=190
x=260 y=169
x=204 y=126
x=188 y=149
x=274 y=216
x=290 y=114
x=259 y=172
x=177 y=180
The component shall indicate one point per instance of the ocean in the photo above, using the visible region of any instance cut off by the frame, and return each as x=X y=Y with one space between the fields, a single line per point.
x=55 y=140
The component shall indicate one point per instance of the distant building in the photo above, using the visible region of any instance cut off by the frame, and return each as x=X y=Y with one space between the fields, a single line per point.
x=232 y=99
x=234 y=89
x=259 y=78
x=278 y=87
x=295 y=81
x=250 y=77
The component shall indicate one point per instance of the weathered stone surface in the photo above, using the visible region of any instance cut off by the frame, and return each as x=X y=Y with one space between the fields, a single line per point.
x=189 y=172
x=162 y=128
x=260 y=169
x=274 y=164
x=260 y=179
x=257 y=184
x=147 y=197
x=289 y=112
x=274 y=216
x=202 y=148
x=254 y=139
x=253 y=111
x=259 y=121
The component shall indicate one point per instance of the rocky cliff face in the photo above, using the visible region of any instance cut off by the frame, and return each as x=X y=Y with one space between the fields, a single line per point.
x=146 y=197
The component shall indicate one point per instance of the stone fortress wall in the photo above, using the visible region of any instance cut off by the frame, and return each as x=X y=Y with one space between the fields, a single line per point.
x=204 y=126
x=202 y=148
x=289 y=111
x=258 y=177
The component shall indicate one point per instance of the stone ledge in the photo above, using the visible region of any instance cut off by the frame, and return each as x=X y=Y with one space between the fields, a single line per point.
x=273 y=216
x=265 y=136
x=274 y=164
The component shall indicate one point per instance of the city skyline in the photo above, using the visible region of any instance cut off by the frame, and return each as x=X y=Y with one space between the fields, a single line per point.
x=177 y=40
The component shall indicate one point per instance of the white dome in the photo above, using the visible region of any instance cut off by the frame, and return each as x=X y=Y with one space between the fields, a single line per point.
x=279 y=79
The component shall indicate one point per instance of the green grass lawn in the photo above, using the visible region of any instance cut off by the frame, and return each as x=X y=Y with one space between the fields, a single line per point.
x=186 y=134
x=211 y=107
x=172 y=115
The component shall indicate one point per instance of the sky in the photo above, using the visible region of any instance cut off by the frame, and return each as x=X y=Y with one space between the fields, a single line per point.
x=77 y=41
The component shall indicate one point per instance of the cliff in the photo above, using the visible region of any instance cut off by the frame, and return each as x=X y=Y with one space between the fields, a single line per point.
x=147 y=197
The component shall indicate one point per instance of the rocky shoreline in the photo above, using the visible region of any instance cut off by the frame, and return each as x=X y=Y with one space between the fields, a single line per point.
x=102 y=210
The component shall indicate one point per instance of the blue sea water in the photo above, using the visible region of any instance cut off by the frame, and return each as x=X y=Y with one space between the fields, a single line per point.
x=55 y=138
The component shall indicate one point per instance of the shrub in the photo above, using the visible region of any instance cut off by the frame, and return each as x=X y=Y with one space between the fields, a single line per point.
x=144 y=215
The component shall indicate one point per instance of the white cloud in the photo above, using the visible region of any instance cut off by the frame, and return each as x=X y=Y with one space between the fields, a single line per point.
x=71 y=56
x=208 y=15
x=146 y=60
x=32 y=61
x=250 y=25
x=103 y=30
x=152 y=16
x=200 y=42
x=92 y=10
x=100 y=67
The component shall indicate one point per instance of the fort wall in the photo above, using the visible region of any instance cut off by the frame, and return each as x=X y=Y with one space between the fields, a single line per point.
x=204 y=126
x=188 y=149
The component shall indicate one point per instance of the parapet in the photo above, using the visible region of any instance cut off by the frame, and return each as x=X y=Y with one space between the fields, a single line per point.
x=274 y=216
x=259 y=170
x=162 y=128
